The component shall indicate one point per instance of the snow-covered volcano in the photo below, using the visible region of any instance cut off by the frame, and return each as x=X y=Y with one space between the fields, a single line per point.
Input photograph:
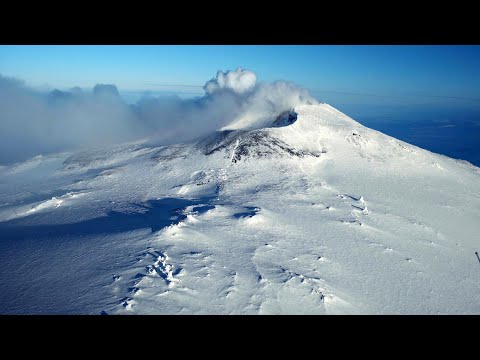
x=313 y=213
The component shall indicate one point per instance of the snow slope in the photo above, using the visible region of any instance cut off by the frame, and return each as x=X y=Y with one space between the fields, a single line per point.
x=314 y=214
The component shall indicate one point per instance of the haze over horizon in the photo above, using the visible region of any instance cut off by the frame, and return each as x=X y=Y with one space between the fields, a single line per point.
x=447 y=72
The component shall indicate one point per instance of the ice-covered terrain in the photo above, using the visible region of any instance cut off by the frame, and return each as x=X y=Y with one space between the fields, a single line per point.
x=312 y=213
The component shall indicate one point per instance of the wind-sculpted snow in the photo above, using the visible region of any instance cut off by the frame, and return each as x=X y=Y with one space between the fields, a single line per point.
x=311 y=214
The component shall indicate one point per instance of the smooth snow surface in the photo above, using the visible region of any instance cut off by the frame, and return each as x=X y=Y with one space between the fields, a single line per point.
x=314 y=215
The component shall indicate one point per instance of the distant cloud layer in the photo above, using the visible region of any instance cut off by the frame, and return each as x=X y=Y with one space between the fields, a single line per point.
x=33 y=123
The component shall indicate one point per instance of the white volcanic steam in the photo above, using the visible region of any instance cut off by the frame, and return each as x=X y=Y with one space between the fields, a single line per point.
x=238 y=81
x=34 y=123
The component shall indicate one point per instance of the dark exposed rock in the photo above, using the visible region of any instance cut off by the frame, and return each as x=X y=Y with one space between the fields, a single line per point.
x=259 y=143
x=255 y=144
x=284 y=119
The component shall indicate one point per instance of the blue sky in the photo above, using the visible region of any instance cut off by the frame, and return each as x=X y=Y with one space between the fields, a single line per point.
x=339 y=73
